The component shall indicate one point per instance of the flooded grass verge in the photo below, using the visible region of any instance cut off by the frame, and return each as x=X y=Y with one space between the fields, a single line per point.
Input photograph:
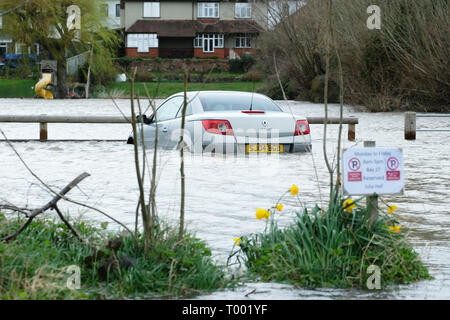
x=46 y=259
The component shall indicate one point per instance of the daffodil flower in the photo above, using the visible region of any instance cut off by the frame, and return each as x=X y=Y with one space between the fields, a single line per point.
x=348 y=205
x=237 y=241
x=294 y=190
x=262 y=214
x=395 y=228
x=392 y=209
x=279 y=207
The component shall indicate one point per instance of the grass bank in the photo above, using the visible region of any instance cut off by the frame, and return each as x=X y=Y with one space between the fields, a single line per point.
x=165 y=89
x=34 y=266
x=24 y=88
x=15 y=88
x=332 y=247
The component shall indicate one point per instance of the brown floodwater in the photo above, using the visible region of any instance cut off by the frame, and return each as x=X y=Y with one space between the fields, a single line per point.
x=224 y=192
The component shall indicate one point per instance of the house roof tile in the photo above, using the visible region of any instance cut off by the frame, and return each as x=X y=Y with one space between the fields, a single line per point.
x=189 y=28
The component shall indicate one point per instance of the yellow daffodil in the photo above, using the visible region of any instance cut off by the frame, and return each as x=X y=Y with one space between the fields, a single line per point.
x=392 y=209
x=279 y=207
x=236 y=241
x=348 y=205
x=396 y=228
x=262 y=214
x=294 y=190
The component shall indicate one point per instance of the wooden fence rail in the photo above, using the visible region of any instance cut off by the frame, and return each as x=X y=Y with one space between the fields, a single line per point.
x=411 y=123
x=44 y=119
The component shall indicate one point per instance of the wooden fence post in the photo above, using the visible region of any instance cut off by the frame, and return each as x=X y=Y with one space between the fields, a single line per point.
x=372 y=201
x=410 y=125
x=43 y=132
x=351 y=132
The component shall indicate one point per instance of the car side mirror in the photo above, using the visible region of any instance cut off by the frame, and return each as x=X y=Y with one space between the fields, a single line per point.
x=144 y=119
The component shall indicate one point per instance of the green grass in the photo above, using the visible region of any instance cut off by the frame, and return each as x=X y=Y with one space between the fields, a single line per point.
x=122 y=89
x=11 y=88
x=34 y=266
x=23 y=88
x=332 y=248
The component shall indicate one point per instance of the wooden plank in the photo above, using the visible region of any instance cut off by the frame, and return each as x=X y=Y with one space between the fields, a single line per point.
x=321 y=120
x=62 y=119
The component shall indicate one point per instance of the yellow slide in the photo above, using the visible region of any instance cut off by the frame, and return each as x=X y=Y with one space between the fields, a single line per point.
x=42 y=84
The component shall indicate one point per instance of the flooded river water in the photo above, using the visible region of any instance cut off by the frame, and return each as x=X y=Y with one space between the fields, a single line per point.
x=223 y=193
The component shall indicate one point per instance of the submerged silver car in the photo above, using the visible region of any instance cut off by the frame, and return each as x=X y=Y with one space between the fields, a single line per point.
x=226 y=121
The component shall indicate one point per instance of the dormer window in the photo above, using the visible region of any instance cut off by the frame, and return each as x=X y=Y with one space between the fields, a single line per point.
x=243 y=10
x=208 y=10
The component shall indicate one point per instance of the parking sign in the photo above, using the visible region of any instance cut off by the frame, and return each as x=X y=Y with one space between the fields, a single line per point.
x=373 y=170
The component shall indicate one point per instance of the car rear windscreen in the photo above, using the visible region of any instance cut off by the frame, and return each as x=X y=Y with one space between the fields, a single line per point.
x=235 y=101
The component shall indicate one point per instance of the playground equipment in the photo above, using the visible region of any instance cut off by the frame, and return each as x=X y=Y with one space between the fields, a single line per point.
x=48 y=77
x=42 y=84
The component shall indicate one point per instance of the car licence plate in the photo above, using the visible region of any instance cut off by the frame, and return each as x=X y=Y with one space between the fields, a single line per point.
x=264 y=148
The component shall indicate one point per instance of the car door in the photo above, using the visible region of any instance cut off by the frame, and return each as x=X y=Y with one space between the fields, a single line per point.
x=175 y=124
x=165 y=115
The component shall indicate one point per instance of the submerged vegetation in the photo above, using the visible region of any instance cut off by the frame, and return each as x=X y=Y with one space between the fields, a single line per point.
x=331 y=247
x=112 y=265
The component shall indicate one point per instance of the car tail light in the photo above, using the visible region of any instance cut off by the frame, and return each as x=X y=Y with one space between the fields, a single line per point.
x=302 y=127
x=218 y=127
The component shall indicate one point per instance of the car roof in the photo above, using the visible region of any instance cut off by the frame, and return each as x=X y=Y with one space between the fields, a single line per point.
x=192 y=94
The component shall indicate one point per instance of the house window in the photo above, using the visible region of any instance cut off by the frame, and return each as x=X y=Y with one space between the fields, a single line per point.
x=3 y=50
x=36 y=49
x=151 y=10
x=243 y=41
x=20 y=48
x=243 y=10
x=118 y=10
x=208 y=10
x=208 y=42
x=142 y=41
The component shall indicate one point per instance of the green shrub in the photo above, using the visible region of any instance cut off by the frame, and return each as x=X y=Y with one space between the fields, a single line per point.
x=34 y=266
x=242 y=64
x=332 y=248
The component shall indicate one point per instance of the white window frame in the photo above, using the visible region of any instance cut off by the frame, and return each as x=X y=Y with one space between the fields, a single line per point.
x=151 y=9
x=208 y=9
x=243 y=41
x=204 y=41
x=18 y=48
x=142 y=41
x=243 y=10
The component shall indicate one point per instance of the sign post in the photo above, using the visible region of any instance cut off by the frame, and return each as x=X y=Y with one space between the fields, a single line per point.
x=372 y=171
x=372 y=201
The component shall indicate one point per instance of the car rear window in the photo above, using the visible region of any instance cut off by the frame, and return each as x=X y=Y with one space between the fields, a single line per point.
x=234 y=101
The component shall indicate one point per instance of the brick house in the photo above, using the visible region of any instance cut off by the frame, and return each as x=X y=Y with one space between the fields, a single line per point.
x=186 y=29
